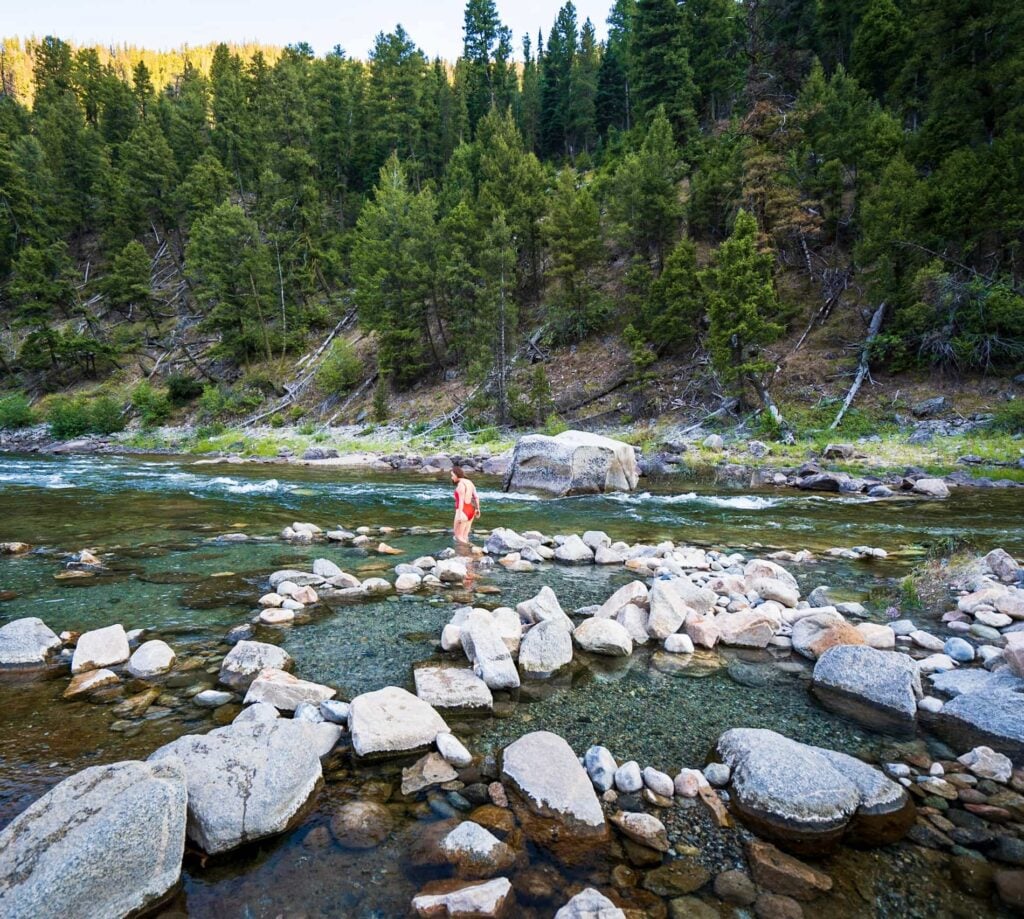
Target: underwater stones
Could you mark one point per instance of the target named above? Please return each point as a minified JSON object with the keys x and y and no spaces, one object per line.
{"x":483,"y":645}
{"x":572,"y":463}
{"x":284,"y":691}
{"x":245,"y":781}
{"x":476,"y":852}
{"x":574,"y":551}
{"x":26,"y":644}
{"x":151,"y":658}
{"x":460,"y":900}
{"x":544,"y":608}
{"x":600,"y":766}
{"x":782,"y":874}
{"x":325,"y":568}
{"x":985,"y":763}
{"x":876,"y":688}
{"x":452,"y":687}
{"x":392,"y":720}
{"x":100,"y":648}
{"x":814,"y":634}
{"x":985,"y":717}
{"x":806,"y":798}
{"x":83,"y":683}
{"x":361,"y":824}
{"x":590,"y":904}
{"x":246,"y":659}
{"x":555,"y":800}
{"x":545,"y":649}
{"x":642,"y":828}
{"x":109,"y":838}
{"x":603,"y":636}
{"x":212,"y":698}
{"x":427,"y":771}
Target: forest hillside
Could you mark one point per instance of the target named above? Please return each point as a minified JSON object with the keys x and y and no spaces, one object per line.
{"x":738,"y":208}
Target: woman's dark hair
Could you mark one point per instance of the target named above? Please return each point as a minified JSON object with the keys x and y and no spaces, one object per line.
{"x":458,"y":472}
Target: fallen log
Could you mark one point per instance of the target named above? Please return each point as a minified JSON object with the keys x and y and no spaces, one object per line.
{"x":865,"y":360}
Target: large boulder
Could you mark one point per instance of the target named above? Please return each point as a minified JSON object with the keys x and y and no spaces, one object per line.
{"x":546,"y":648}
{"x":747,"y":628}
{"x":553,"y":795}
{"x":992,"y":717}
{"x":543,"y":608}
{"x":246,"y":659}
{"x":286,"y":692}
{"x":603,"y":636}
{"x":574,"y":551}
{"x":877,"y":688}
{"x":108,"y":841}
{"x":26,"y":644}
{"x":246,"y":781}
{"x":807,"y":798}
{"x":100,"y":648}
{"x":815,"y":633}
{"x":392,"y":720}
{"x":483,"y":645}
{"x":668,"y":612}
{"x":150,"y":659}
{"x":572,"y":463}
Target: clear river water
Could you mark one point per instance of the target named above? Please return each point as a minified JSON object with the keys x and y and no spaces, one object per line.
{"x":154,"y":521}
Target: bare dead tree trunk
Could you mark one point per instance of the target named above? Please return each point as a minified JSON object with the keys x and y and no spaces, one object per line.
{"x":862,"y":370}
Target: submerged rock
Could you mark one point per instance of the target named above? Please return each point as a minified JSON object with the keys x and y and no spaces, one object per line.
{"x":590,"y":904}
{"x":806,"y":798}
{"x":392,"y":720}
{"x":476,"y":852}
{"x":361,"y":824}
{"x":572,"y":463}
{"x":245,"y":781}
{"x":877,"y":688}
{"x":151,"y":659}
{"x":109,"y":839}
{"x":461,"y":900}
{"x":26,"y":644}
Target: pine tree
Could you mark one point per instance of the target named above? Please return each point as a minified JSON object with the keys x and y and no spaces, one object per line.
{"x":614,"y":91}
{"x":662,"y":75}
{"x":672,"y":314}
{"x":127,"y":284}
{"x":743,"y":309}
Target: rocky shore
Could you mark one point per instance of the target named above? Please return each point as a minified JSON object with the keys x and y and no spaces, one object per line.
{"x":493,"y":826}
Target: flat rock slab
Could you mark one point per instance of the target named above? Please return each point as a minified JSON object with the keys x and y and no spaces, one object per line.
{"x":100,"y":648}
{"x":26,"y":644}
{"x":286,"y":692}
{"x":459,"y":900}
{"x":452,"y":687}
{"x":975,"y":679}
{"x":392,"y":720}
{"x":246,"y":781}
{"x":246,"y":659}
{"x":109,"y":839}
{"x":807,"y":798}
{"x":876,"y":688}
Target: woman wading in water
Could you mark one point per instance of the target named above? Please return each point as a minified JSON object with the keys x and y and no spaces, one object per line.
{"x":467,"y":505}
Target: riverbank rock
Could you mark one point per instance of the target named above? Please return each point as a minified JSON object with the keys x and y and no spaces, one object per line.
{"x":572,"y":463}
{"x":483,"y":645}
{"x":603,"y":636}
{"x":109,"y":839}
{"x":667,"y":613}
{"x":84,"y":683}
{"x":644,"y":829}
{"x":458,"y":900}
{"x":806,"y":798}
{"x":574,"y":551}
{"x":931,"y":488}
{"x":452,"y":687}
{"x":286,"y":692}
{"x":991,"y":717}
{"x":544,"y":608}
{"x":545,"y":649}
{"x":100,"y":648}
{"x":246,"y":659}
{"x":392,"y":720}
{"x":877,"y":688}
{"x":26,"y":644}
{"x":555,"y":801}
{"x":151,"y":659}
{"x":815,"y":633}
{"x":245,"y":781}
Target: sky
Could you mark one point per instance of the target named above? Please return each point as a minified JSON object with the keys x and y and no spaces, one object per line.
{"x":435,"y":25}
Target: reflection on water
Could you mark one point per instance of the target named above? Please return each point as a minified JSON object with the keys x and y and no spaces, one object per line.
{"x":155,"y":523}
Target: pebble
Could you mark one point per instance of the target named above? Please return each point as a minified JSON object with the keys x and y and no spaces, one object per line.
{"x":960,"y":650}
{"x":717,"y":774}
{"x":628,"y":777}
{"x":212,"y":698}
{"x":930,"y":704}
{"x":658,"y":782}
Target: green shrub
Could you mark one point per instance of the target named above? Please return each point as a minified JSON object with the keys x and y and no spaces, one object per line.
{"x":105,"y":416}
{"x":182,"y":389}
{"x":16,"y":412}
{"x":307,"y":429}
{"x":487,"y":435}
{"x":68,"y":417}
{"x":340,"y":369}
{"x":1009,"y":417}
{"x":153,"y":407}
{"x":277,"y":420}
{"x":380,"y":399}
{"x":554,"y":425}
{"x":219,"y":402}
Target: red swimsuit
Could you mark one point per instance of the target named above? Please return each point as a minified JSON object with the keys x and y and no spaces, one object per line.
{"x":468,"y":509}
